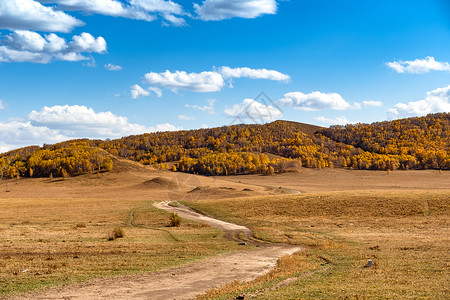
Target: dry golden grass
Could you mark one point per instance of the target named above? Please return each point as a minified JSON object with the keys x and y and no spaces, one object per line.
{"x":406,"y":233}
{"x":287,"y":266}
{"x":56,"y":232}
{"x":56,"y":241}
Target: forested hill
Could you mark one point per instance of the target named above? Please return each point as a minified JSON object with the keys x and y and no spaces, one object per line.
{"x":413,"y":143}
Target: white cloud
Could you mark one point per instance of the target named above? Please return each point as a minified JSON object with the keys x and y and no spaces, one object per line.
{"x":2,"y":104}
{"x":136,"y":9}
{"x":215,"y":10}
{"x":228,"y":72}
{"x":156,"y":90}
{"x":20,"y":134}
{"x":58,"y":123}
{"x":335,"y":121}
{"x":159,"y":6}
{"x":103,"y":7}
{"x":207,"y":108}
{"x":316,"y":101}
{"x":186,"y":118}
{"x":176,"y":21}
{"x":197,"y":82}
{"x":165,"y":127}
{"x":209,"y":81}
{"x":81,"y":121}
{"x":85,"y":42}
{"x":30,"y":14}
{"x":436,"y":101}
{"x":253,"y":110}
{"x":419,"y":66}
{"x":112,"y":67}
{"x":137,"y":91}
{"x":373,"y":103}
{"x":28,"y":46}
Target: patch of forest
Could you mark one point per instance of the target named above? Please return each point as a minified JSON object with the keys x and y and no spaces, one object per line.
{"x":412,"y":143}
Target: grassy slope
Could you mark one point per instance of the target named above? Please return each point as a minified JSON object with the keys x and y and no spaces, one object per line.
{"x":56,"y":241}
{"x":405,"y":233}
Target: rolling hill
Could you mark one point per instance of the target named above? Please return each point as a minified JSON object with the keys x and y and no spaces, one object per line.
{"x":412,"y":143}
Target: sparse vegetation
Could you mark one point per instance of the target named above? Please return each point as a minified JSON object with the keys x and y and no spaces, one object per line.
{"x":174,"y":220}
{"x":116,"y":233}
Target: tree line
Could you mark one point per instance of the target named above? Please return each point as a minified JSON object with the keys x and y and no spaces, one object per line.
{"x":412,"y":143}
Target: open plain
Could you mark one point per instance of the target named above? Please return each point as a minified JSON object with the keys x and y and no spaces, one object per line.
{"x":56,"y":235}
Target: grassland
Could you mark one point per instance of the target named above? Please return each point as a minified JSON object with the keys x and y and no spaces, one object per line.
{"x":405,"y":233}
{"x":54,"y":233}
{"x":57,"y":241}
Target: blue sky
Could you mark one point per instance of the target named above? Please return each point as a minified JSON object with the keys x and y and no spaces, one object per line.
{"x":176,"y":66}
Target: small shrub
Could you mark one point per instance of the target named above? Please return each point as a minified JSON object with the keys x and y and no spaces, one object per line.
{"x":175,"y":220}
{"x":117,"y":233}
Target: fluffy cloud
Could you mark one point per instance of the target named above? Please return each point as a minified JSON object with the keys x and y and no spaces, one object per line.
{"x":209,"y":81}
{"x":159,"y":6}
{"x":254,"y":111}
{"x":112,"y":67}
{"x":167,"y":9}
{"x":136,"y":9}
{"x":316,"y":101}
{"x":137,"y":91}
{"x":228,"y":72}
{"x":165,"y":127}
{"x":186,"y":118}
{"x":58,"y":123}
{"x":83,"y":121}
{"x":103,"y":7}
{"x":20,"y":134}
{"x":373,"y":103}
{"x":156,"y":90}
{"x":419,"y":66}
{"x":197,"y":82}
{"x":85,"y":42}
{"x":28,"y":46}
{"x":436,"y":101}
{"x":206,"y":108}
{"x":30,"y":14}
{"x":2,"y":104}
{"x":214,"y":10}
{"x":334,"y":121}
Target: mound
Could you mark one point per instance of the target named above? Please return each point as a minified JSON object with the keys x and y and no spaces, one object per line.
{"x":159,"y":182}
{"x":218,"y":192}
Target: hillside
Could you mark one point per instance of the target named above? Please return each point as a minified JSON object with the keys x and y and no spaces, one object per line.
{"x":413,"y":143}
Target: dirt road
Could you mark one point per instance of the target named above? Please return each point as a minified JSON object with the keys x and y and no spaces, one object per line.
{"x":183,"y":282}
{"x":231,"y":230}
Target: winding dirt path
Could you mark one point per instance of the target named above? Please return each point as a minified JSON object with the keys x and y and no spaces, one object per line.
{"x":183,"y":282}
{"x":231,"y":230}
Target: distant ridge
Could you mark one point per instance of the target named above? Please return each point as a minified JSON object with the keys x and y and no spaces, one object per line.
{"x":411,"y":143}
